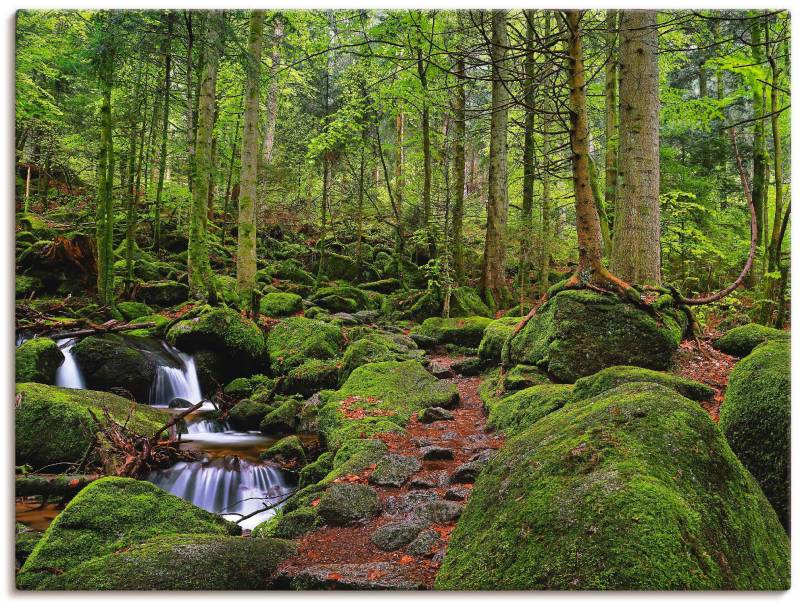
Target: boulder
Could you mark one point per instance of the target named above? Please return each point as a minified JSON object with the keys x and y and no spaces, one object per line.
{"x":516,"y":412}
{"x":614,"y":376}
{"x":495,"y":336}
{"x":311,"y":377}
{"x":756,"y":420}
{"x":346,"y":504}
{"x":465,"y":332}
{"x":435,"y":413}
{"x":638,"y":485}
{"x":740,"y":341}
{"x":393,"y":470}
{"x":577,"y":333}
{"x":316,"y":471}
{"x":376,"y":347}
{"x":395,"y":535}
{"x":163,"y":293}
{"x":282,"y":420}
{"x":465,"y":301}
{"x":289,"y":525}
{"x":280,"y":304}
{"x":287,"y":452}
{"x":339,"y":267}
{"x":37,"y":360}
{"x":386,"y":285}
{"x":131,"y":310}
{"x":521,"y":376}
{"x":296,"y":340}
{"x":425,"y":544}
{"x":377,"y":575}
{"x":108,"y":362}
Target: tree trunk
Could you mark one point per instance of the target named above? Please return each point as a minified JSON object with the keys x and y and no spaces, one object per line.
{"x":459,"y":169}
{"x":422,"y":71}
{"x":190,"y":125}
{"x":399,"y":185}
{"x":246,"y":250}
{"x":201,"y":279}
{"x":272,"y":95}
{"x":636,"y":253}
{"x":493,"y":284}
{"x":527,"y":160}
{"x":170,"y":18}
{"x":759,"y":139}
{"x":612,"y":106}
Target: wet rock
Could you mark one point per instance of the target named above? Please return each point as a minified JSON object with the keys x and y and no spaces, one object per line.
{"x":439,"y":511}
{"x":468,"y":472}
{"x":163,"y":293}
{"x":393,"y":470}
{"x":435,"y":413}
{"x":179,"y":403}
{"x":37,"y":360}
{"x":287,"y":452}
{"x":109,"y":363}
{"x":457,"y":494}
{"x":392,"y":536}
{"x":350,"y":576}
{"x":425,"y":544}
{"x":437,"y":453}
{"x":345,"y":504}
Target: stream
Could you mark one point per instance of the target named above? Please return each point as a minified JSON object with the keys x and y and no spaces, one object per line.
{"x":229,"y":479}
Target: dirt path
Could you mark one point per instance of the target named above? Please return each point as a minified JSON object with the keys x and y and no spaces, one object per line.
{"x":345,"y":557}
{"x":708,"y":366}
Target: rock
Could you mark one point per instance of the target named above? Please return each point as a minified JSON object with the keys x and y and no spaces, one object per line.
{"x":467,"y":473}
{"x":422,"y":482}
{"x":339,"y":267}
{"x":24,"y":285}
{"x":404,"y":504}
{"x":26,"y":540}
{"x":314,"y":472}
{"x":439,"y":511}
{"x":396,"y":535}
{"x":181,"y":562}
{"x":424,"y":341}
{"x":311,"y":377}
{"x":107,"y":517}
{"x":288,"y":270}
{"x":611,"y":377}
{"x":287,"y":452}
{"x":578,"y":333}
{"x":465,"y":332}
{"x":346,"y":504}
{"x":282,"y":419}
{"x":641,"y":481}
{"x":53,"y":424}
{"x":740,"y":341}
{"x":393,"y":470}
{"x":38,"y":360}
{"x":163,"y":293}
{"x":280,"y":304}
{"x":756,"y":420}
{"x":425,"y":544}
{"x":469,"y":367}
{"x":248,"y":414}
{"x":386,"y":285}
{"x":437,"y":453}
{"x":132,"y":310}
{"x":465,"y":301}
{"x":108,"y":362}
{"x":344,"y":319}
{"x":379,"y":575}
{"x":375,"y":346}
{"x":440,"y":371}
{"x":367,"y":316}
{"x":522,"y":376}
{"x":435,"y":413}
{"x":495,"y":336}
{"x":179,"y":403}
{"x":457,"y":494}
{"x":518,"y":411}
{"x":295,"y":341}
{"x":289,"y":525}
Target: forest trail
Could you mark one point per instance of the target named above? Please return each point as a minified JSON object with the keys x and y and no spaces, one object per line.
{"x":346,"y":558}
{"x":706,"y":365}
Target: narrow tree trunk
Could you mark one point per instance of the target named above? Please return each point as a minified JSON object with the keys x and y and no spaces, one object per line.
{"x":636,"y":253}
{"x":527,"y":160}
{"x":190,"y":125}
{"x":170,"y":18}
{"x":459,"y":170}
{"x":422,"y":71}
{"x":272,"y":95}
{"x":612,"y":106}
{"x":399,"y":184}
{"x":493,"y":284}
{"x":226,"y":206}
{"x":246,"y":250}
{"x":759,"y":139}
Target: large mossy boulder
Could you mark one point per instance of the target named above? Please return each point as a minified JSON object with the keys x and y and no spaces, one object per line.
{"x":740,"y":341}
{"x":466,"y":332}
{"x":280,"y":304}
{"x":162,"y":293}
{"x":515,"y":413}
{"x":495,"y":336}
{"x":132,"y":310}
{"x":38,"y":360}
{"x":577,"y":333}
{"x":108,"y":362}
{"x":339,"y":267}
{"x":236,"y":340}
{"x":465,"y":301}
{"x":376,"y":346}
{"x":296,"y":340}
{"x":614,"y":376}
{"x":635,"y":489}
{"x":756,"y":420}
{"x":109,"y":516}
{"x":311,"y":377}
{"x":181,"y":562}
{"x":53,"y":424}
{"x":346,"y":504}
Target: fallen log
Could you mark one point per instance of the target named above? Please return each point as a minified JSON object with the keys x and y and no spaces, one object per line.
{"x":62,"y":486}
{"x":104,"y":328}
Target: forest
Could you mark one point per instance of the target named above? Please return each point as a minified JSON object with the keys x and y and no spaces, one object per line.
{"x":402,"y":299}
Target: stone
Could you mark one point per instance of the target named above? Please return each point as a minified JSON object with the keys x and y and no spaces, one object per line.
{"x":437,"y":453}
{"x":435,"y":413}
{"x":395,"y":535}
{"x":393,"y":470}
{"x":346,"y":504}
{"x":38,"y":360}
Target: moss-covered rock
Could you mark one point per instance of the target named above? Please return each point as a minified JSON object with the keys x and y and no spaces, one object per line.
{"x":109,"y":362}
{"x":237,"y":340}
{"x":465,"y":301}
{"x":376,"y":346}
{"x":131,"y":309}
{"x":394,"y":469}
{"x":386,"y":285}
{"x":110,"y":515}
{"x":248,"y":414}
{"x":163,"y":293}
{"x":227,"y":290}
{"x":515,"y":413}
{"x":638,"y":485}
{"x":296,"y":340}
{"x":378,"y":398}
{"x":25,"y":285}
{"x":466,"y":332}
{"x":740,"y":341}
{"x":756,"y":420}
{"x":283,"y":419}
{"x":287,"y":452}
{"x":37,"y":360}
{"x":289,"y":525}
{"x":280,"y":304}
{"x":288,"y":270}
{"x":53,"y":424}
{"x":339,"y":267}
{"x":522,"y":376}
{"x":310,"y":377}
{"x":609,"y":378}
{"x":495,"y":336}
{"x":26,"y":541}
{"x":314,"y":472}
{"x":577,"y":333}
{"x":157,"y":330}
{"x":346,"y":504}
{"x":181,"y":562}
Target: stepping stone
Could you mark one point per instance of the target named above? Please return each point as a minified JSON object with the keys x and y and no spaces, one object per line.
{"x":346,"y":504}
{"x":393,"y":470}
{"x":437,"y":453}
{"x":435,"y":413}
{"x":425,"y":544}
{"x":457,"y":494}
{"x":422,"y":483}
{"x":393,"y":536}
{"x":439,"y":511}
{"x":468,"y":472}
{"x":400,"y":505}
{"x":440,"y":371}
{"x":469,"y":367}
{"x":379,"y":575}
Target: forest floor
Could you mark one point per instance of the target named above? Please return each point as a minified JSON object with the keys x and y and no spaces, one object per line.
{"x":345,"y":557}
{"x":696,"y":359}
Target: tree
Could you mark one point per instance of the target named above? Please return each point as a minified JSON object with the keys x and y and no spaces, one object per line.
{"x":246,"y":250}
{"x":612,"y":106}
{"x":169,"y":17}
{"x":636,"y":255}
{"x":459,"y":169}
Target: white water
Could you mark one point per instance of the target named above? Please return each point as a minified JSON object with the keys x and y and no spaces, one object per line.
{"x":176,"y":381}
{"x":69,"y":373}
{"x":225,"y":486}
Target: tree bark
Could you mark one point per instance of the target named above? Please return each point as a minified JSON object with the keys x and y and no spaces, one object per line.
{"x":527,"y":160}
{"x":612,"y":106}
{"x":636,"y":255}
{"x":170,"y":20}
{"x":759,"y":140}
{"x":272,"y":95}
{"x":459,"y":169}
{"x":422,"y":72}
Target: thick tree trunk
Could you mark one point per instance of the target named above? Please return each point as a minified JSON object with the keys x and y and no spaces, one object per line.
{"x":636,"y":255}
{"x":201,"y":279}
{"x":493,"y":284}
{"x":459,"y":169}
{"x":759,"y":140}
{"x":170,"y":19}
{"x":246,"y":250}
{"x":190,"y":125}
{"x":612,"y":106}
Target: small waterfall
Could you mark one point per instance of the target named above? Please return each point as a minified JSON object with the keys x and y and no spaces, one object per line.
{"x":225,"y":486}
{"x":206,"y":426}
{"x":69,"y":373}
{"x":178,"y":380}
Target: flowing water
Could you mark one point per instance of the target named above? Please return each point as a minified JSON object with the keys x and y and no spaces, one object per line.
{"x":69,"y":374}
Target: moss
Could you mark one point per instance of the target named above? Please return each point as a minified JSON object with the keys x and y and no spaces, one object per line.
{"x":248,"y":414}
{"x":346,"y":504}
{"x":756,"y":420}
{"x":53,"y":424}
{"x":577,"y":333}
{"x":495,"y":336}
{"x":238,"y":340}
{"x":338,"y":266}
{"x":26,"y":541}
{"x":381,"y":397}
{"x":311,"y":377}
{"x":289,"y":270}
{"x":638,"y":485}
{"x":181,"y":562}
{"x":386,"y":285}
{"x":109,"y":515}
{"x":289,"y":525}
{"x":109,"y":362}
{"x":296,"y":340}
{"x":609,"y":378}
{"x":156,"y":331}
{"x":282,"y":419}
{"x":375,"y":347}
{"x":238,"y":388}
{"x":515,"y":413}
{"x":740,"y":341}
{"x":522,"y":376}
{"x":25,"y":285}
{"x":280,"y":304}
{"x":316,"y":471}
{"x":227,"y":290}
{"x":465,"y":301}
{"x":287,"y":451}
{"x":461,"y":331}
{"x":163,"y":293}
{"x":37,"y":360}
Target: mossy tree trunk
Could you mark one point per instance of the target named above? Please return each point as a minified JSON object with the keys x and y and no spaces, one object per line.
{"x":544,"y":258}
{"x":201,"y":279}
{"x":459,"y":169}
{"x":612,"y":106}
{"x":246,"y":250}
{"x":272,"y":95}
{"x":166,"y":48}
{"x":759,"y":140}
{"x":528,"y":159}
{"x":422,"y":72}
{"x":636,"y":255}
